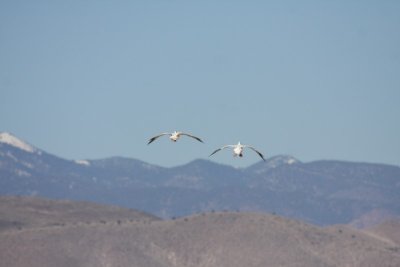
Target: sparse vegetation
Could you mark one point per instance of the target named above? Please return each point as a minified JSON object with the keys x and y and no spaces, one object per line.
{"x":394,"y":249}
{"x":246,"y":239}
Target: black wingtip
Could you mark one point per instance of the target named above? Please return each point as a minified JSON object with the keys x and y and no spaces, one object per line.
{"x":261,"y":156}
{"x":214,"y":152}
{"x":198,"y":139}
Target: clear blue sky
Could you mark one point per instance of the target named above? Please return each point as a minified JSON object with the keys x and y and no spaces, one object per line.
{"x":94,"y":79}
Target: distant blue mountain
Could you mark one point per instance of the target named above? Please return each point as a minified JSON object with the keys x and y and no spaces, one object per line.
{"x":320,"y":192}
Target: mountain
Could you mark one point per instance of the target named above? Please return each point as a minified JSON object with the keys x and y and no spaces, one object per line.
{"x":321,"y":192}
{"x":372,"y":218}
{"x":388,"y":230}
{"x":215,"y":239}
{"x":9,"y":139}
{"x":34,"y":212}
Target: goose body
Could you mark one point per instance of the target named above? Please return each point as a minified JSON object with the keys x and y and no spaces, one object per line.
{"x":174,"y":136}
{"x":238,"y":150}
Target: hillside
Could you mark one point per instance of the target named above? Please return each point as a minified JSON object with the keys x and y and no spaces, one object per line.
{"x":388,"y":230}
{"x":233,"y":239}
{"x":23,"y":213}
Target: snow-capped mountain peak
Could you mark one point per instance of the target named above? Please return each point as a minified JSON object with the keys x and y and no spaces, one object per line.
{"x":274,"y":162}
{"x":282,"y":160}
{"x":82,"y":162}
{"x":11,"y":140}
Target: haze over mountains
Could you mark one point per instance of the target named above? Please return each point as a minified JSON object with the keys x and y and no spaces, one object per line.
{"x":320,"y":192}
{"x":39,"y":232}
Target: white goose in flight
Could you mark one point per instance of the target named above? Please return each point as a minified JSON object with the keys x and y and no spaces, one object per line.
{"x":238,"y":150}
{"x":174,"y":136}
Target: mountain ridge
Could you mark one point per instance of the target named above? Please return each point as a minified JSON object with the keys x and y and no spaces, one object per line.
{"x":321,"y":192}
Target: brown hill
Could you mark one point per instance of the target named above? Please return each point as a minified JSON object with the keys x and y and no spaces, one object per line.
{"x":208,"y":240}
{"x":27,"y":212}
{"x":388,"y":230}
{"x":374,"y":217}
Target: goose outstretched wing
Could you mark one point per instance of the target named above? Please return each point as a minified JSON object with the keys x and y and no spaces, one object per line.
{"x":155,"y":137}
{"x":255,"y":150}
{"x":220,"y":149}
{"x":195,"y":137}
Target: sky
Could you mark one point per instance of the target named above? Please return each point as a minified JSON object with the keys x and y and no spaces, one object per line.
{"x":94,"y":79}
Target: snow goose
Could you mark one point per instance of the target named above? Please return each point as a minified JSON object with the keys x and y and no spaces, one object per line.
{"x":174,"y":136}
{"x":238,"y":150}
